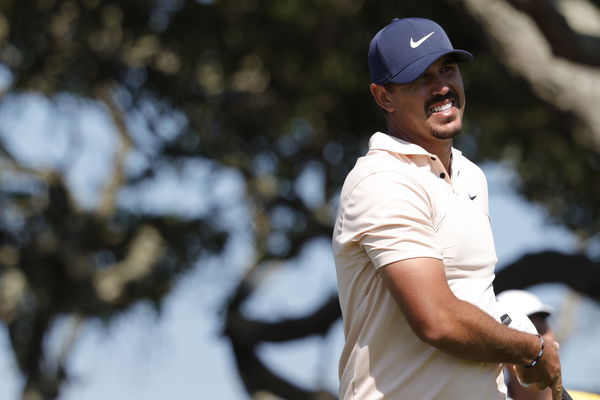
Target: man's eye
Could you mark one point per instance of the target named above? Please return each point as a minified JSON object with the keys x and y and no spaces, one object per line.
{"x":448,"y":68}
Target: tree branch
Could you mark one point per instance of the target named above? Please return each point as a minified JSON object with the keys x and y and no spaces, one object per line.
{"x":577,"y":271}
{"x":108,"y":198}
{"x":520,"y":44}
{"x":146,"y":248}
{"x":564,"y":41}
{"x":250,"y":332}
{"x":258,"y":378}
{"x":246,"y":335}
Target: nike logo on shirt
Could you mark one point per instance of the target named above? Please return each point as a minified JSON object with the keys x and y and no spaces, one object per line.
{"x":419,"y":42}
{"x":472,"y":197}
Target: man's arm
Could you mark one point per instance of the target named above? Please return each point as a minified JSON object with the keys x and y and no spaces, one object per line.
{"x":460,"y":328}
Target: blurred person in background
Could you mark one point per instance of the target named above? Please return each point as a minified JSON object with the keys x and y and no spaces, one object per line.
{"x":539,"y":314}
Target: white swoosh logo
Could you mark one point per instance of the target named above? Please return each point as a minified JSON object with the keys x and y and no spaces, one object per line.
{"x":419,"y":42}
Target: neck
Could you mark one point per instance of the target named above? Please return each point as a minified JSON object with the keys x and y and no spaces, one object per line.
{"x":442,"y":148}
{"x":445,"y":157}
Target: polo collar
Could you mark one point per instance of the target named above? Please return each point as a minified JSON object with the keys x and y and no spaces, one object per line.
{"x":383,"y":141}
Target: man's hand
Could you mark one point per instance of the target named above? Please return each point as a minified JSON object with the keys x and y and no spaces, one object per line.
{"x":546,"y":373}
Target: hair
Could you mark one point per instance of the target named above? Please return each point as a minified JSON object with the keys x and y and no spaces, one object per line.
{"x":389,"y":86}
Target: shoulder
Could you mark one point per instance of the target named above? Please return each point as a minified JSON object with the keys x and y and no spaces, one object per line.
{"x":384,"y":189}
{"x":380,"y":171}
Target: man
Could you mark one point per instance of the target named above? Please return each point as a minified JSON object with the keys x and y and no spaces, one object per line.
{"x":529,"y":304}
{"x":413,"y":246}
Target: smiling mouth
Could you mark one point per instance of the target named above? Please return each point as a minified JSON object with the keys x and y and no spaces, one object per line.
{"x":438,"y":104}
{"x":442,"y":107}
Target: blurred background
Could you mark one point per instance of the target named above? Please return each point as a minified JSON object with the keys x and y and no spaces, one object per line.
{"x":169,"y":175}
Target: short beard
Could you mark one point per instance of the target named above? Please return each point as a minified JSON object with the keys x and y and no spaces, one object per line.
{"x":442,"y":134}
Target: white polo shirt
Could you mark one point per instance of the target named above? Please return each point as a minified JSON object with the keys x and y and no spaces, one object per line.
{"x":397,"y":203}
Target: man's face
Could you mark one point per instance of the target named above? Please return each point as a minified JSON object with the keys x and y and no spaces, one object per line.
{"x":540,"y":321}
{"x":431,"y":107}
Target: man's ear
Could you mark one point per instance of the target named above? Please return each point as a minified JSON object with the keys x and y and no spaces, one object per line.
{"x":382,"y":97}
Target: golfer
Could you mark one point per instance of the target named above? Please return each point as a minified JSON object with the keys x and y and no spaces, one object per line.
{"x":413,"y":245}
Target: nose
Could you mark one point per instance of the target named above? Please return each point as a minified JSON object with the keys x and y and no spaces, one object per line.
{"x":439,"y":85}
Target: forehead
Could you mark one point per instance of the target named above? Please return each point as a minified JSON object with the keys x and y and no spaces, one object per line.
{"x":445,"y":60}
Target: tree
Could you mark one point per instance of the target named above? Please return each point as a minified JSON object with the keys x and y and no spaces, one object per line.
{"x":276,"y":91}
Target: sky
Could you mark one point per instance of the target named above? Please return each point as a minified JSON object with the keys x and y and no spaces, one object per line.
{"x":180,"y":353}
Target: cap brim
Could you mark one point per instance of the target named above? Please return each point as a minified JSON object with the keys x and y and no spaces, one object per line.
{"x":414,"y":70}
{"x":544,"y":310}
{"x":531,"y":309}
{"x":543,"y":314}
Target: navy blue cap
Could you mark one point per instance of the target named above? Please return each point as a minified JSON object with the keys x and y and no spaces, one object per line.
{"x":404,"y":49}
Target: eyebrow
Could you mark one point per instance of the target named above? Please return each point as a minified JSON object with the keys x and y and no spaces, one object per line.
{"x":450,"y":59}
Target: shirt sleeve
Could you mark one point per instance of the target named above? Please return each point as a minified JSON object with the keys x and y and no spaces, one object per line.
{"x":390,"y":216}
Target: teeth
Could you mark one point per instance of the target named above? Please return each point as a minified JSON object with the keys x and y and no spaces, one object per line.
{"x":442,"y":107}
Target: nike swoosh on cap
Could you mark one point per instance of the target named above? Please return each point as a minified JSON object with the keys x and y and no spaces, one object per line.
{"x":419,"y":42}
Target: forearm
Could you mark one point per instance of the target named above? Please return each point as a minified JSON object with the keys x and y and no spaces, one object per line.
{"x":469,"y":333}
{"x":460,"y":328}
{"x":465,"y":331}
{"x":452,"y":325}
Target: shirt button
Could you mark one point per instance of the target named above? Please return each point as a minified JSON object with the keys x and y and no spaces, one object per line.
{"x":442,"y":175}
